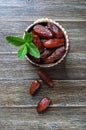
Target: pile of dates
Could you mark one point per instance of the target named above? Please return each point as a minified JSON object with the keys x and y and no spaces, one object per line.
{"x":50,"y":41}
{"x":35,"y":86}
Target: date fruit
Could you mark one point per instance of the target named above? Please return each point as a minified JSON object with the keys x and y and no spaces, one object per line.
{"x":57,"y":54}
{"x":55,"y":30}
{"x":45,"y":77}
{"x":53,"y":43}
{"x":37,"y":41}
{"x":37,"y":60}
{"x":33,"y":33}
{"x":43,"y":104}
{"x":42,"y":31}
{"x":50,"y":40}
{"x":46,"y":53}
{"x":34,"y":87}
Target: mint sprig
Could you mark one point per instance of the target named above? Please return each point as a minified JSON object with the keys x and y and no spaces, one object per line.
{"x":32,"y":49}
{"x":17,"y":41}
{"x":25,"y":45}
{"x":22,"y":51}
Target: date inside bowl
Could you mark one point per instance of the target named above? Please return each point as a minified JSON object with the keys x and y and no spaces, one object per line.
{"x":51,"y":40}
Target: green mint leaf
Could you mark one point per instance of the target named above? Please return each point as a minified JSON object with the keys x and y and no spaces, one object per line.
{"x":22,"y":51}
{"x":28,"y":37}
{"x":17,"y":41}
{"x":33,"y":50}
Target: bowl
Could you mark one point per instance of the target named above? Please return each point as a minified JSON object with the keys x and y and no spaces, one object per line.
{"x":43,"y":21}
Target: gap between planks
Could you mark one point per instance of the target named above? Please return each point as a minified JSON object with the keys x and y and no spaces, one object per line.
{"x":34,"y":19}
{"x":51,"y":106}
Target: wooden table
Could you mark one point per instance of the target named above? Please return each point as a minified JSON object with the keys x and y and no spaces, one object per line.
{"x":17,"y":106}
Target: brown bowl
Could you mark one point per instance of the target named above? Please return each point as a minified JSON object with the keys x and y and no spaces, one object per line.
{"x":43,"y":20}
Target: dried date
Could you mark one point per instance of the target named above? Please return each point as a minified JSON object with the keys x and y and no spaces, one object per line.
{"x":37,"y":60}
{"x":46,"y":53}
{"x":33,"y":34}
{"x":55,"y":30}
{"x":37,"y":41}
{"x":43,"y":104}
{"x":34,"y":87}
{"x":53,"y":43}
{"x":56,"y":55}
{"x":45,"y":77}
{"x":42,"y":31}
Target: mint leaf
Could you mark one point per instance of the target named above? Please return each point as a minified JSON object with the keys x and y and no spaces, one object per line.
{"x":22,"y":51}
{"x":26,"y":45}
{"x":28,"y":37}
{"x":33,"y":50}
{"x":17,"y":41}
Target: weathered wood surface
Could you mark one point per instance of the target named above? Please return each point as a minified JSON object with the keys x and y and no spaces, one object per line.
{"x":28,"y":119}
{"x":64,"y":93}
{"x":75,"y":30}
{"x":68,"y":95}
{"x":30,"y":10}
{"x":73,"y":67}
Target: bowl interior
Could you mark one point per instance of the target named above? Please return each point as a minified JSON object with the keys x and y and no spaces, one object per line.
{"x":44,"y":22}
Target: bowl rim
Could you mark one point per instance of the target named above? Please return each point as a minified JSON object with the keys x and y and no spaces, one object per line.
{"x":66,"y":38}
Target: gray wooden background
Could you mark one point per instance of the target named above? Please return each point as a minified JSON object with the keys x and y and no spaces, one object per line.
{"x":17,"y":106}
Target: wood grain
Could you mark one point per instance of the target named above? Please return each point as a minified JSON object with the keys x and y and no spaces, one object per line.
{"x":76,"y":32}
{"x":13,"y":2}
{"x":58,"y":10}
{"x":66,"y":93}
{"x":73,"y":67}
{"x":53,"y":119}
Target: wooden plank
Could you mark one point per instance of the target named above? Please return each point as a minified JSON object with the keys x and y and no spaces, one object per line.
{"x":52,"y":119}
{"x":59,"y":10}
{"x":64,"y":93}
{"x":73,"y":67}
{"x":68,"y":95}
{"x":20,"y":2}
{"x":13,"y":2}
{"x":11,"y":28}
{"x":75,"y":30}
